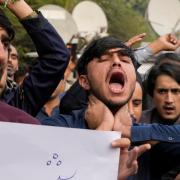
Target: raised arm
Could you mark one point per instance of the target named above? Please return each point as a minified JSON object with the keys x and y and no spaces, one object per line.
{"x":49,"y":70}
{"x":167,"y":42}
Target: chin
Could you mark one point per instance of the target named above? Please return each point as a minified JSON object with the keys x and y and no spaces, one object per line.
{"x":171,"y":118}
{"x":116,"y":104}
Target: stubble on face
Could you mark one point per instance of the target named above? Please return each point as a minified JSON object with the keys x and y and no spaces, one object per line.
{"x":166,"y":98}
{"x":118,"y":89}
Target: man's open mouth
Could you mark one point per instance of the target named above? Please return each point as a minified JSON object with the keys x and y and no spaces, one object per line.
{"x":116,"y":82}
{"x":169,"y":108}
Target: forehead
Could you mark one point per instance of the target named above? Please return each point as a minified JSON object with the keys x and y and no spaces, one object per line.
{"x":137,"y":91}
{"x":13,"y":49}
{"x":114,"y":50}
{"x":117,"y":50}
{"x":166,"y":81}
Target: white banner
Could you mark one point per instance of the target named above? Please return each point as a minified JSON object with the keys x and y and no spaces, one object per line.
{"x":35,"y":152}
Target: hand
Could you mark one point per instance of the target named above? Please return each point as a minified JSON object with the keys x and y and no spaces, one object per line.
{"x":170,"y":42}
{"x":18,"y":7}
{"x":123,"y":122}
{"x":135,"y":39}
{"x":6,"y":2}
{"x":98,"y":116}
{"x":128,"y":158}
{"x":2,"y":1}
{"x":167,"y":42}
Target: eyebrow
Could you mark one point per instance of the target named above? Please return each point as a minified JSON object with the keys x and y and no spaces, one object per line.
{"x":169,"y":89}
{"x":122,"y":51}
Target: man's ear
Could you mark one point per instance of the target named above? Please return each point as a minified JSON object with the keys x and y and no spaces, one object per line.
{"x":83,"y":81}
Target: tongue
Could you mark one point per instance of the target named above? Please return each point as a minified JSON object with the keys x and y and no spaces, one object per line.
{"x":115,"y":87}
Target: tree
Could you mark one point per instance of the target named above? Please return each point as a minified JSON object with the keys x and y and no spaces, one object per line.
{"x":123,"y":21}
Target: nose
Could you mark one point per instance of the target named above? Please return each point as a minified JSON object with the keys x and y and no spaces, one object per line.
{"x":10,"y":60}
{"x":169,"y":97}
{"x":116,"y":60}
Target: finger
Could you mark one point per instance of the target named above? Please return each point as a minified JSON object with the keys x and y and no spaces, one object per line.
{"x":143,"y":148}
{"x":129,"y":171}
{"x":139,"y":36}
{"x":135,"y":39}
{"x":173,"y":39}
{"x":121,"y":143}
{"x":136,"y":152}
{"x":133,"y":155}
{"x":92,"y":99}
{"x":133,"y":168}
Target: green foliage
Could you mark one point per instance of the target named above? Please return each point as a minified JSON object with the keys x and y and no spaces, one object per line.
{"x":138,"y":5}
{"x":125,"y":19}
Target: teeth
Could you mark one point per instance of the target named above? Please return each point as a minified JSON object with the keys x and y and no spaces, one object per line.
{"x":115,"y":87}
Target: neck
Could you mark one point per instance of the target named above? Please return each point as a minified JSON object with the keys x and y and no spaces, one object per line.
{"x":114,"y":109}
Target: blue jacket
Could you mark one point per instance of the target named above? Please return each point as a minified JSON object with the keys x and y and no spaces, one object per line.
{"x":46,"y":74}
{"x":139,"y":132}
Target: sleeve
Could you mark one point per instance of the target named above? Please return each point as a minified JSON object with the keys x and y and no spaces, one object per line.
{"x":143,"y":54}
{"x":49,"y":70}
{"x":59,"y":120}
{"x":156,"y":132}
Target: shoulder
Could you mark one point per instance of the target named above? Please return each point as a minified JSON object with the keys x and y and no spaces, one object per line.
{"x":12,"y":114}
{"x":147,"y":115}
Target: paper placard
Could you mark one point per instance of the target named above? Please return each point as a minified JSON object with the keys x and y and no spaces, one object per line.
{"x":36,"y":152}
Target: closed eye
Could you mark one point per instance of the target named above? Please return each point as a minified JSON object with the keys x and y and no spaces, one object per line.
{"x":137,"y":102}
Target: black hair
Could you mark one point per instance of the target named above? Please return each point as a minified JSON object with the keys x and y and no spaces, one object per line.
{"x":6,"y":24}
{"x":98,"y":47}
{"x":170,"y":69}
{"x":170,"y":57}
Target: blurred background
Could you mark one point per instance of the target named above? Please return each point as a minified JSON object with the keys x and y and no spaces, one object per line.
{"x":123,"y":19}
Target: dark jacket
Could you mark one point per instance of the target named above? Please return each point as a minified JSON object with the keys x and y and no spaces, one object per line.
{"x":152,"y":116}
{"x":46,"y":74}
{"x":163,"y":157}
{"x":139,"y":132}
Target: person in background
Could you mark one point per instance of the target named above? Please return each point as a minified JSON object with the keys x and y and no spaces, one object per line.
{"x":21,"y":73}
{"x":163,"y":85}
{"x":13,"y":62}
{"x":135,"y":103}
{"x":8,"y":113}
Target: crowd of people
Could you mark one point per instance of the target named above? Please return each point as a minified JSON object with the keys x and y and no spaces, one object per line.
{"x":105,"y":91}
